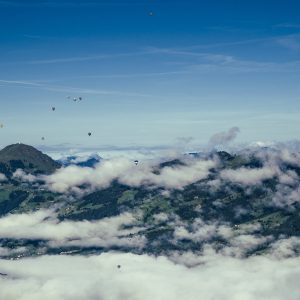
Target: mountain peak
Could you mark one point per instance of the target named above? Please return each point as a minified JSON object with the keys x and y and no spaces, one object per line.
{"x":17,"y":147}
{"x":27,"y":158}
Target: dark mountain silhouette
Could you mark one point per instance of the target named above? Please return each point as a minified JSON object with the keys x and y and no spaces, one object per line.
{"x":90,"y":161}
{"x":27,"y":158}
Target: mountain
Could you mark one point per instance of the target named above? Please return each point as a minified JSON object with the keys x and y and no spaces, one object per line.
{"x":88,"y":161}
{"x":27,"y":158}
{"x":213,"y":200}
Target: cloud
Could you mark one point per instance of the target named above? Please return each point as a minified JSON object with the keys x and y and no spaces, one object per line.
{"x":69,"y":89}
{"x":209,"y":62}
{"x":160,"y":218}
{"x":182,"y":143}
{"x":199,"y":231}
{"x":236,"y":241}
{"x":240,"y":245}
{"x":86,"y":58}
{"x":287,"y":25}
{"x":223,"y":138}
{"x":285,"y":247}
{"x":175,"y":177}
{"x":286,"y":196}
{"x":20,"y":82}
{"x":291,"y":42}
{"x":143,"y":277}
{"x":44,"y":225}
{"x":21,"y":175}
{"x":249,"y":176}
{"x":277,"y":163}
{"x":286,"y":156}
{"x":128,"y":233}
{"x":126,"y":172}
{"x":2,"y":177}
{"x":5,"y":251}
{"x":217,"y":267}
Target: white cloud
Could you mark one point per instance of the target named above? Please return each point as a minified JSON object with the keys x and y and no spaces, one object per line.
{"x":249,"y":176}
{"x":2,"y":177}
{"x":239,"y":240}
{"x":160,"y":218}
{"x":5,"y":251}
{"x":289,"y":157}
{"x":20,"y":174}
{"x":285,"y":247}
{"x":142,"y":277}
{"x":44,"y":225}
{"x":175,"y":177}
{"x":286,"y":195}
{"x":223,"y":138}
{"x":126,"y":172}
{"x":200,"y":231}
{"x":241,"y":244}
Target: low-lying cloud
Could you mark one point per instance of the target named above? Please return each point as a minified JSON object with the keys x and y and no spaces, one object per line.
{"x":249,"y":176}
{"x":44,"y":225}
{"x":21,"y":175}
{"x":2,"y":177}
{"x":143,"y":277}
{"x":126,"y":172}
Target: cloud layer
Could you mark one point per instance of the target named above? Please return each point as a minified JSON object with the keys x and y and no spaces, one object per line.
{"x":44,"y":225}
{"x":126,"y":172}
{"x":248,"y":168}
{"x":142,"y":277}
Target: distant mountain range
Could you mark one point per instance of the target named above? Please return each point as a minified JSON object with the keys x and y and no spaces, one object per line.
{"x":86,"y":161}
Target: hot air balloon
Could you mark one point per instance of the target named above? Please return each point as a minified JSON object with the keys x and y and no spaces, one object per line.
{"x":89,"y":133}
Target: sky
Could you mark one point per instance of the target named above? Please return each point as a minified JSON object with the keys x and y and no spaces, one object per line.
{"x":149,"y":72}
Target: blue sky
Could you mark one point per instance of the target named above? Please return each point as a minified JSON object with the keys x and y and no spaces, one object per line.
{"x":192,"y":69}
